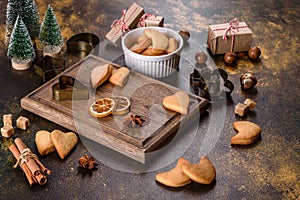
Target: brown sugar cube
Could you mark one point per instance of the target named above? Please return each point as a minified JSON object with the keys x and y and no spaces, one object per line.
{"x":22,"y":123}
{"x":7,"y":120}
{"x":240,"y":109}
{"x":7,"y":131}
{"x":250,"y":104}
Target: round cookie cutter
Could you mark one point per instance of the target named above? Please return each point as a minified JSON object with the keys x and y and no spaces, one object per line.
{"x":82,"y":44}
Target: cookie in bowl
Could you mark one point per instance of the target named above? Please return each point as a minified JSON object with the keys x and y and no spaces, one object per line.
{"x":153,"y":51}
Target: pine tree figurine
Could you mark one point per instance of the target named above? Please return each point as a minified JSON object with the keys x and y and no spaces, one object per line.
{"x":50,"y":34}
{"x":20,"y":49}
{"x":31,"y":18}
{"x":28,"y":11}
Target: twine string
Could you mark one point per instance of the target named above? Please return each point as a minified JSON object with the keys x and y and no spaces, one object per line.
{"x":25,"y":155}
{"x":233,"y":27}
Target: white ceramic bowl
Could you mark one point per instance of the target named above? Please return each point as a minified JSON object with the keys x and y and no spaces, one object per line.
{"x":153,"y":66}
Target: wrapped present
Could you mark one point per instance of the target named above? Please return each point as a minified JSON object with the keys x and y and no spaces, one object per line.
{"x":150,"y":20}
{"x":128,"y":21}
{"x":234,"y":36}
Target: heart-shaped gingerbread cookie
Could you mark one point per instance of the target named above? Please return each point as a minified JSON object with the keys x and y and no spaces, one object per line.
{"x":178,"y":102}
{"x":248,"y":132}
{"x":100,"y":74}
{"x":203,"y":172}
{"x":63,"y":142}
{"x":43,"y":142}
{"x":175,"y":177}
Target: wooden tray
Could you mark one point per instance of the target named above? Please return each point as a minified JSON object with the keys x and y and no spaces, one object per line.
{"x":145,"y":95}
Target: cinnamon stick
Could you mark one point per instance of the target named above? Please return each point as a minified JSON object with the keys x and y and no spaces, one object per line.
{"x":31,"y":179}
{"x":42,"y":167}
{"x":32,"y":165}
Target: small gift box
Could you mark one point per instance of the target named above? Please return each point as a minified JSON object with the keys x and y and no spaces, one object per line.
{"x":128,"y":21}
{"x":230,"y":37}
{"x":150,"y":20}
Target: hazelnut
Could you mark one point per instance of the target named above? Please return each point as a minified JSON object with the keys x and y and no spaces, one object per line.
{"x":184,"y":34}
{"x":200,"y":57}
{"x":229,"y":57}
{"x":248,"y":81}
{"x":254,"y":53}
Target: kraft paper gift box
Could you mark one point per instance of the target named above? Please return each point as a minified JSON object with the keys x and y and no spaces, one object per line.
{"x":128,"y":21}
{"x":233,"y":36}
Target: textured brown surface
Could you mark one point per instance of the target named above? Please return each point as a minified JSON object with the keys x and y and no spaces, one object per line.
{"x":267,"y":169}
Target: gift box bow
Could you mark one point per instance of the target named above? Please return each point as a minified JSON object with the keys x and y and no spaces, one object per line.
{"x":232,"y":27}
{"x":124,"y":28}
{"x":152,"y":17}
{"x":128,"y":21}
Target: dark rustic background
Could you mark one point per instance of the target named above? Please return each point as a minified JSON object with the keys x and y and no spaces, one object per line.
{"x":267,"y":169}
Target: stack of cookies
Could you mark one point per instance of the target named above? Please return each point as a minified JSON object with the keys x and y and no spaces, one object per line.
{"x":185,"y":172}
{"x":154,"y":43}
{"x":63,"y":143}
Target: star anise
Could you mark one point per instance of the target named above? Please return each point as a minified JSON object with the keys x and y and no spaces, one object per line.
{"x":133,"y":121}
{"x":87,"y":162}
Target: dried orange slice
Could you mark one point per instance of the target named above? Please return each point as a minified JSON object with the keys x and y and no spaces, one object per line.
{"x":122,"y":105}
{"x":102,"y":107}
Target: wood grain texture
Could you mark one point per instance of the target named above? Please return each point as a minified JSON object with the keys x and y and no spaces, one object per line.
{"x":145,"y":94}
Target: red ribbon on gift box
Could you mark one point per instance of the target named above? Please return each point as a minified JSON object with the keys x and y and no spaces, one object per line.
{"x":232,"y":27}
{"x":124,"y":27}
{"x":121,"y":21}
{"x":142,"y":21}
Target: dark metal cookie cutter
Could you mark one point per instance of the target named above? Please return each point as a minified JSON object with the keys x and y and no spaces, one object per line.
{"x":48,"y":67}
{"x":207,"y":83}
{"x":68,"y":89}
{"x":82,"y":43}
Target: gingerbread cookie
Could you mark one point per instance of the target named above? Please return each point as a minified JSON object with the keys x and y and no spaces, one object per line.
{"x":248,"y":132}
{"x":63,"y":142}
{"x":204,"y":172}
{"x":120,"y":76}
{"x":175,"y":177}
{"x":178,"y":102}
{"x":172,"y":45}
{"x":141,"y":45}
{"x":43,"y":142}
{"x":160,"y":41}
{"x":100,"y":74}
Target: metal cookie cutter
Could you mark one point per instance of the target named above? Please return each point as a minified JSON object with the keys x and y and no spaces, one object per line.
{"x":67,"y":89}
{"x":211,"y":84}
{"x":82,"y":43}
{"x":48,"y":67}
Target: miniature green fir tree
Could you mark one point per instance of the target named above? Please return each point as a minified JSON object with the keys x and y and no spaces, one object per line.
{"x":50,"y":33}
{"x":20,"y":45}
{"x":31,"y":18}
{"x":27,"y":10}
